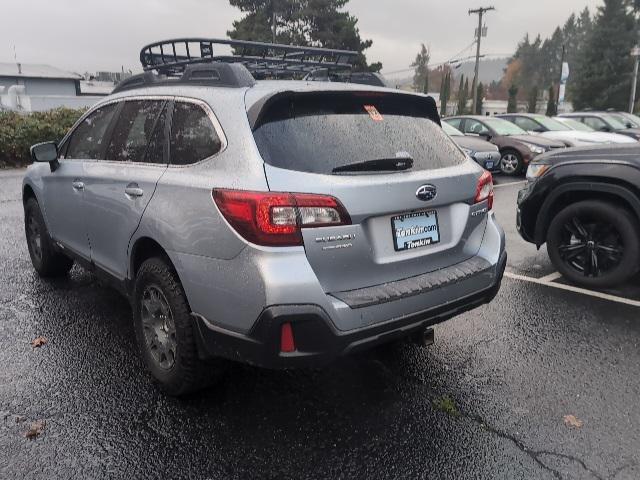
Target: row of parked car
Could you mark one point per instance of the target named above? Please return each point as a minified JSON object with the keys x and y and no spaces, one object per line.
{"x":508,"y":143}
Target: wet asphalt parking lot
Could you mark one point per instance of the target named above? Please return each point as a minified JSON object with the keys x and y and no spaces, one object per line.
{"x":488,"y":400}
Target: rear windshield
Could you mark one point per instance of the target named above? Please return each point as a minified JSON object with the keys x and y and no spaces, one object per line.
{"x":320,"y":132}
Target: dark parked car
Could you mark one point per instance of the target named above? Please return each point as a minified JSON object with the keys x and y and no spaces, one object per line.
{"x":517,"y":147}
{"x":584,"y":204}
{"x":484,"y":153}
{"x":605,"y":122}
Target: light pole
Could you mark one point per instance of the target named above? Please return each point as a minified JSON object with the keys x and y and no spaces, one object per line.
{"x":635,"y":52}
{"x":273,"y":21}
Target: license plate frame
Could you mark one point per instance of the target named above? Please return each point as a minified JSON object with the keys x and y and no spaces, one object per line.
{"x":415,"y":220}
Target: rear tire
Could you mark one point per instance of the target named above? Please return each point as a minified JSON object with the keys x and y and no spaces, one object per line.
{"x":594,"y":244}
{"x":511,"y":162}
{"x":46,"y":259}
{"x":165,"y":331}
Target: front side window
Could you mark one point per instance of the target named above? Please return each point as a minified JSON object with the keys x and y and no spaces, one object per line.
{"x":134,"y":130}
{"x":193,"y":136}
{"x":475,"y":127}
{"x":615,"y":122}
{"x":87,"y":141}
{"x":595,"y":123}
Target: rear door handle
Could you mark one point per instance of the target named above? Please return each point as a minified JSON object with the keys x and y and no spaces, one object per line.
{"x":77,"y":185}
{"x":133,"y":190}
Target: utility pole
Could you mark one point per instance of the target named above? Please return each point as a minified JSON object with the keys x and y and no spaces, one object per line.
{"x":479,"y":34}
{"x":635,"y":53}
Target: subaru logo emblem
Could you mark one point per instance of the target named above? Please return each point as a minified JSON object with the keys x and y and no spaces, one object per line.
{"x":426,"y":193}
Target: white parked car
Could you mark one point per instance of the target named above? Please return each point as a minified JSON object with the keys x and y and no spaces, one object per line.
{"x":560,"y":131}
{"x":605,"y":137}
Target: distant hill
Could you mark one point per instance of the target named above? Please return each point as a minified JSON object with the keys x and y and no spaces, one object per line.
{"x":490,"y":70}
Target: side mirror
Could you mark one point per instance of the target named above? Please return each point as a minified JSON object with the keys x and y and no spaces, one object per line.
{"x":485,"y":135}
{"x":605,"y":128}
{"x":46,"y":152}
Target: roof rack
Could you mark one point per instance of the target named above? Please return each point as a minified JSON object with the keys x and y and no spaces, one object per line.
{"x":192,"y":61}
{"x":210,"y":74}
{"x":171,"y":57}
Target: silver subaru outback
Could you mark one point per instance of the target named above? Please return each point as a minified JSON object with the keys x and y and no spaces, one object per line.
{"x":278,"y":223}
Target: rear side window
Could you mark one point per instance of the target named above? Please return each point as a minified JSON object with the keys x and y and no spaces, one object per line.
{"x":455,"y":122}
{"x":322,"y":132}
{"x":87,"y":140}
{"x":133,"y":131}
{"x":193,"y":136}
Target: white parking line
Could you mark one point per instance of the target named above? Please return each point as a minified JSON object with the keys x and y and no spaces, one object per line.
{"x":570,"y":288}
{"x":551,"y":277}
{"x":500,"y":185}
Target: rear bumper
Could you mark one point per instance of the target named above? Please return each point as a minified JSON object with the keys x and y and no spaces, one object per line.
{"x":317,"y":340}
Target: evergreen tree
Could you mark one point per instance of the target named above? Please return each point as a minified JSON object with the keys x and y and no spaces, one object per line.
{"x":480,"y":99}
{"x":601,"y":78}
{"x":532,"y":105}
{"x":512,"y":104}
{"x":462,"y":101}
{"x":465,"y":94}
{"x":552,"y":108}
{"x":539,"y":62}
{"x":445,"y":94}
{"x":421,"y":70}
{"x":321,"y":23}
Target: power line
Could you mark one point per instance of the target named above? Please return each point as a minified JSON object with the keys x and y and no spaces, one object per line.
{"x":435,"y":65}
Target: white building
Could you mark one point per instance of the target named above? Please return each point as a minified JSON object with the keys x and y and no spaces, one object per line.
{"x":29,"y":88}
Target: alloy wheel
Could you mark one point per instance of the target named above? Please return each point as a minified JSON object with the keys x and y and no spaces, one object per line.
{"x":35,"y":237}
{"x":159,"y":327}
{"x":509,"y":163}
{"x":592,"y":247}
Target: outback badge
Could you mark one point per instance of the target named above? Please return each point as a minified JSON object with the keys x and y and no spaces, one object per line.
{"x":426,"y":192}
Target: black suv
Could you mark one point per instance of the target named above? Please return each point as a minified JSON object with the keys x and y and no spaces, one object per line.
{"x":585,"y":205}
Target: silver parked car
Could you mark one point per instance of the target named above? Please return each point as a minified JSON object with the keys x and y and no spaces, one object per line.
{"x":279,"y":223}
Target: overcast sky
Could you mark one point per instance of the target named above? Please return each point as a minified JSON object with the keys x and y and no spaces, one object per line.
{"x":91,"y":35}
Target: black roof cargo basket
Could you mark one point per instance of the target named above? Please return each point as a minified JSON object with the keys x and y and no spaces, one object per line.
{"x":170,"y":57}
{"x":192,"y":61}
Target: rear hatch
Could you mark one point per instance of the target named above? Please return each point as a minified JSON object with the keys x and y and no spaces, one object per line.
{"x":408,"y":189}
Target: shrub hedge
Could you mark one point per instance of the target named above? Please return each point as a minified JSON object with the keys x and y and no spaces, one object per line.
{"x":18,"y":131}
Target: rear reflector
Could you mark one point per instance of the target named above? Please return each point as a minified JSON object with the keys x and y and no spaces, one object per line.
{"x":276,"y":219}
{"x":484,"y":189}
{"x":287,"y":343}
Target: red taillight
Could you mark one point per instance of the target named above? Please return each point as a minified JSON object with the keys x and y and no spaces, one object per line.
{"x":484,"y":189}
{"x":287,"y":343}
{"x":276,"y":219}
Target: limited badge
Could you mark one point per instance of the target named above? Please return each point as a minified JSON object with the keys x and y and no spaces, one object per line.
{"x":374,"y":113}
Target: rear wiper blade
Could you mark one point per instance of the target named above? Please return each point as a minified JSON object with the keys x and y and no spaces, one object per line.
{"x":380,"y":165}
